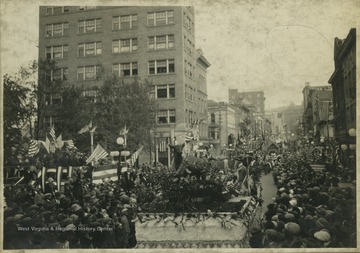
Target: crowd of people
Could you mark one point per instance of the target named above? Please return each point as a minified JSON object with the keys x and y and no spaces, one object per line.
{"x":81,"y":215}
{"x":309,"y":210}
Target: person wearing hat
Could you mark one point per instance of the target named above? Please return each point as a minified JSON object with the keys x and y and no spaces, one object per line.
{"x":125,"y":229}
{"x":50,"y":186}
{"x":257,"y":237}
{"x":242,"y":171}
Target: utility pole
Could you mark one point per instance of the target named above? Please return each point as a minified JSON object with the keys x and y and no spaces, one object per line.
{"x":220,"y":122}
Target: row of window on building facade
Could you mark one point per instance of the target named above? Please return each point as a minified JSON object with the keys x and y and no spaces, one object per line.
{"x":94,"y":72}
{"x":118,"y":46}
{"x":124,"y":22}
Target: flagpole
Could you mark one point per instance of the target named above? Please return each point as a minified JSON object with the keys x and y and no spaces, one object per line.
{"x":92,"y":141}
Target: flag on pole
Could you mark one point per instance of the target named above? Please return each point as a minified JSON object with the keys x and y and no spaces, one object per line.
{"x":99,"y":153}
{"x":93,"y":130}
{"x":34,"y":148}
{"x":85,"y":128}
{"x":105,"y":172}
{"x":59,"y":142}
{"x":124,"y":131}
{"x":52,"y":132}
{"x":135,"y":156}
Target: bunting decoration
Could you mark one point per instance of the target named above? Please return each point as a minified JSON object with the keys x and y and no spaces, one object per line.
{"x":98,"y":154}
{"x":34,"y":148}
{"x":59,"y":174}
{"x":105,"y":172}
{"x":189,"y":136}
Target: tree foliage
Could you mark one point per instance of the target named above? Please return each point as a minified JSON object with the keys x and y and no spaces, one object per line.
{"x":15,"y":118}
{"x":124,"y":103}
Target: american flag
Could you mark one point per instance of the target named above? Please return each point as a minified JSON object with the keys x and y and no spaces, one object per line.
{"x":34,"y":148}
{"x":70,"y":144}
{"x":98,"y":154}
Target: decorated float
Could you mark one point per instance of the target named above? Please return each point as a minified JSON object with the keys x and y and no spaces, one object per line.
{"x":197,"y":204}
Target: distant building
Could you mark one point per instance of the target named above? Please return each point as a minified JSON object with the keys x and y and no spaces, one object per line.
{"x":285,"y":122}
{"x":252,"y":98}
{"x":318,"y":112}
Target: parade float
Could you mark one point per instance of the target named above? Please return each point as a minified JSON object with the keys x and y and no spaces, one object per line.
{"x":197,"y":206}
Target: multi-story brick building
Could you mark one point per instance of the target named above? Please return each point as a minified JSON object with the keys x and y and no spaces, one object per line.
{"x":343,"y":82}
{"x":152,"y":43}
{"x":251,"y":98}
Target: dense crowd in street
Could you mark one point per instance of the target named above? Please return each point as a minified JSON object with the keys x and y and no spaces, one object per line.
{"x":310,"y":210}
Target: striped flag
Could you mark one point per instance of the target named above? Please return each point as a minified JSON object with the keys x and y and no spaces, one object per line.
{"x":135,"y":156}
{"x":105,"y":172}
{"x":52,"y":132}
{"x":98,"y":154}
{"x":189,"y":136}
{"x":70,"y":144}
{"x":85,"y":128}
{"x":34,"y":148}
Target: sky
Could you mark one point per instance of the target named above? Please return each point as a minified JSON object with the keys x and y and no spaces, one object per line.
{"x":273,"y":46}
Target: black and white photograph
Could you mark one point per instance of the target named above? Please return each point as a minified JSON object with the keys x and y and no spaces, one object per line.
{"x":202,"y":125}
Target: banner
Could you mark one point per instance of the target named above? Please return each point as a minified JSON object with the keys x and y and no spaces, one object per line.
{"x":105,"y":172}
